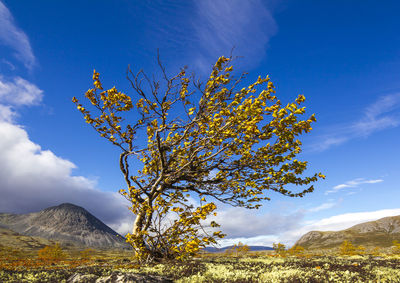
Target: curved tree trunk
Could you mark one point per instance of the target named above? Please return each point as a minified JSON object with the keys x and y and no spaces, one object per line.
{"x":137,"y":231}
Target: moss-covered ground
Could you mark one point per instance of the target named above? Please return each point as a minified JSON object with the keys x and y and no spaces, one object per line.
{"x":25,"y":266}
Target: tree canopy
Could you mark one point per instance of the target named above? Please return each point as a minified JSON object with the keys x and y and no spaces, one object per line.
{"x":217,"y":140}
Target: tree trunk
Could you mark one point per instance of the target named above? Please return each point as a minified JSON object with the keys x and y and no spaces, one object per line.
{"x":139,"y":246}
{"x":138,"y":225}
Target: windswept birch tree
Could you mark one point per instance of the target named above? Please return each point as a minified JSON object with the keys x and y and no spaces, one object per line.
{"x":213,"y":142}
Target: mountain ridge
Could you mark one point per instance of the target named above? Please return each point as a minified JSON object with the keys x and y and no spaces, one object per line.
{"x":378,"y":233}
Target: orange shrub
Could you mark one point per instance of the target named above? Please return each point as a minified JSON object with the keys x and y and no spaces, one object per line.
{"x":54,"y":252}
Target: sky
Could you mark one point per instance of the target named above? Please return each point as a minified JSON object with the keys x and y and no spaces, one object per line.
{"x":344,"y":56}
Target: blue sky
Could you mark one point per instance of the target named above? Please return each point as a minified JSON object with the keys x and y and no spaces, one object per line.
{"x":344,"y":56}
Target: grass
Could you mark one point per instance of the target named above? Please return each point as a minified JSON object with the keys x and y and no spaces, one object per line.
{"x":24,"y":266}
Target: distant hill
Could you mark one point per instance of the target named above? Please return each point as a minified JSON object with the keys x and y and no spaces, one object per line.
{"x":67,"y":223}
{"x":12,"y":239}
{"x":223,"y":249}
{"x":379,"y":233}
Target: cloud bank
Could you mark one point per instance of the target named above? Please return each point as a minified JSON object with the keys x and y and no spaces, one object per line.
{"x":12,"y":36}
{"x":32,"y":179}
{"x":240,"y":222}
{"x":246,"y":226}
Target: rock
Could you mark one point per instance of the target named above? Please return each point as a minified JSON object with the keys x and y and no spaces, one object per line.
{"x":118,"y":277}
{"x":84,"y":278}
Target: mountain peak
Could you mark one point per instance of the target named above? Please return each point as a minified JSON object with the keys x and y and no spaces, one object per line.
{"x":65,"y":222}
{"x":67,"y":207}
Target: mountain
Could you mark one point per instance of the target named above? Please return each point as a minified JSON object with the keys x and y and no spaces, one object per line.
{"x":379,"y":233}
{"x":66,"y":223}
{"x":223,"y":249}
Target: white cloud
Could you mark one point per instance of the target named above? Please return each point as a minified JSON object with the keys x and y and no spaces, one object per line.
{"x":211,"y":29}
{"x":16,"y":93}
{"x":32,"y":179}
{"x":15,"y":38}
{"x":8,"y":64}
{"x":221,"y":25}
{"x":382,"y":114}
{"x":266,"y":240}
{"x":19,"y":92}
{"x":253,"y":228}
{"x":328,"y":141}
{"x":374,"y":120}
{"x":353,"y":184}
{"x":7,"y":114}
{"x":324,"y":206}
{"x":241,"y":222}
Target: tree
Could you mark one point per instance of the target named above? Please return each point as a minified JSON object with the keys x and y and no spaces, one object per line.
{"x":347,"y":248}
{"x":280,"y":249}
{"x":237,"y":250}
{"x":240,"y":249}
{"x":360,"y":250}
{"x":296,"y":251}
{"x":213,"y":140}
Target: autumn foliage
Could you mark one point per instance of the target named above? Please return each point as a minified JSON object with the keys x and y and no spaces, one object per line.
{"x":347,"y":248}
{"x":214,"y":142}
{"x":51,"y":253}
{"x":396,"y":247}
{"x":279,"y":248}
{"x":238,"y":250}
{"x":296,"y":251}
